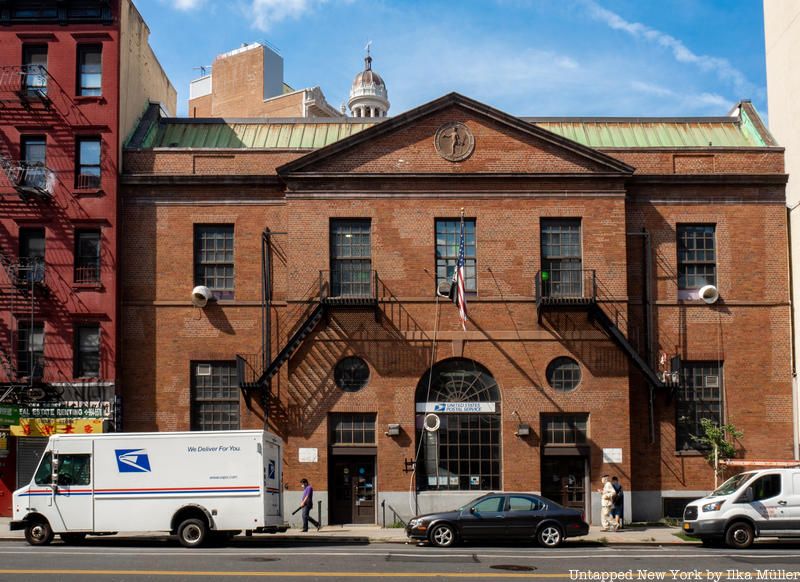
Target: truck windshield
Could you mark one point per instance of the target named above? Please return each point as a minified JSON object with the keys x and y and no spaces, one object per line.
{"x":44,"y":474}
{"x":732,"y":484}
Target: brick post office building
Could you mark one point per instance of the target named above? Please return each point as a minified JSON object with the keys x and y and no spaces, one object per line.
{"x":75,"y":76}
{"x":587,"y":242}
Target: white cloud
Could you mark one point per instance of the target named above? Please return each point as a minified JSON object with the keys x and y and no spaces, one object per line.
{"x":721,"y":67}
{"x":187,"y":4}
{"x":689,"y":101}
{"x":265,"y":13}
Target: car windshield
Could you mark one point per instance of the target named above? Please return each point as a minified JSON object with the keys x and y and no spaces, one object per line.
{"x":470,"y":504}
{"x":732,"y":484}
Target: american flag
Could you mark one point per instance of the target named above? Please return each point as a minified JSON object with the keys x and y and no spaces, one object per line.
{"x":457,"y":292}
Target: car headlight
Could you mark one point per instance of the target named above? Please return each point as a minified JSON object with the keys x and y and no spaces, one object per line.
{"x":713,"y":506}
{"x":414,"y":522}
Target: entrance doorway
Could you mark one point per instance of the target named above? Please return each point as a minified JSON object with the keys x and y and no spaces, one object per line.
{"x":352,"y":489}
{"x":564,"y":481}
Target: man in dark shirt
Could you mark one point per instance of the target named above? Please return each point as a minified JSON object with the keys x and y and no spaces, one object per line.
{"x":307,"y":503}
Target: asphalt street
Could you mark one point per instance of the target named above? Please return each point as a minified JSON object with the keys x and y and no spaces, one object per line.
{"x":108,"y":559}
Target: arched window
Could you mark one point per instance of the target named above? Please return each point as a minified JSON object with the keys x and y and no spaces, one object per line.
{"x":463,"y":453}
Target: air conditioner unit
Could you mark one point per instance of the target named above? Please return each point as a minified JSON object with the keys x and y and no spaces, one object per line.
{"x":712,"y":381}
{"x":203,"y":369}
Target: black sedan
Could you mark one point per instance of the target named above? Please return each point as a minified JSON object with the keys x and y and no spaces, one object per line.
{"x":519,"y":516}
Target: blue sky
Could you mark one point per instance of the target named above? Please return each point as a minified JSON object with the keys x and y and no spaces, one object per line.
{"x":526,"y":57}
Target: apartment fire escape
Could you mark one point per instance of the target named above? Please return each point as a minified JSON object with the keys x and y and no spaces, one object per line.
{"x":576,"y":290}
{"x":337,"y":290}
{"x":21,"y":358}
{"x":26,"y":86}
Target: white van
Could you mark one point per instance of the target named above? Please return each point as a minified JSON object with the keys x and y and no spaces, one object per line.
{"x":753,"y":504}
{"x":196,"y":485}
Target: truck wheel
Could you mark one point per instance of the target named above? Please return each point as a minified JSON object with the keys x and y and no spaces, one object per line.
{"x":740,"y":535}
{"x":39,"y":533}
{"x":192,"y":533}
{"x":73,"y":539}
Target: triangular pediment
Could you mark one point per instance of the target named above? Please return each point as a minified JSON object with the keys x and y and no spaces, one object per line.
{"x":458,"y":136}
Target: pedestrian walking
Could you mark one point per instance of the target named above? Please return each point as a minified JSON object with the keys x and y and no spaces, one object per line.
{"x":307,"y":504}
{"x":617,"y":509}
{"x":606,"y":503}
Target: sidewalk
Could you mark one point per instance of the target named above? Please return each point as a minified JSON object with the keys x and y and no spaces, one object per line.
{"x":364,"y":534}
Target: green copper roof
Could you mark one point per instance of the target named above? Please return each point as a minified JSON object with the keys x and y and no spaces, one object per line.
{"x":314,"y":134}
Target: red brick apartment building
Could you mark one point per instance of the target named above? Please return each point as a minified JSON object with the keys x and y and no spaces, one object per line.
{"x":588,"y":349}
{"x":75,"y":77}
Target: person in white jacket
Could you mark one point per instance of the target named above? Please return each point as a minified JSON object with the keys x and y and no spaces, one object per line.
{"x":606,"y":504}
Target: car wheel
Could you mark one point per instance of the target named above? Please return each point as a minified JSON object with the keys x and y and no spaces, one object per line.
{"x":740,"y":535}
{"x":443,"y":536}
{"x":39,"y":533}
{"x":72,"y":539}
{"x":192,"y":533}
{"x":550,"y":536}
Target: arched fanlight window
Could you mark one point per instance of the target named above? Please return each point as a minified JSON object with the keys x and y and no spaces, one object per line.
{"x":464,"y":452}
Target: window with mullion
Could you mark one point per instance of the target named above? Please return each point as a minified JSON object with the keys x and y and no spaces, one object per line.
{"x":88,"y":163}
{"x":561,"y":257}
{"x":30,"y":348}
{"x":351,"y":258}
{"x":90,"y":70}
{"x":697,"y":255}
{"x":215,"y":396}
{"x":87,"y":351}
{"x":353,"y":429}
{"x":448,"y":236}
{"x":564,"y":429}
{"x":699,"y":397}
{"x":34,"y":158}
{"x":214,"y":259}
{"x":87,"y":256}
{"x":34,"y":62}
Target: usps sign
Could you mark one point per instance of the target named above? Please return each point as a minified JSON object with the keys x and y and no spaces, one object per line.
{"x":455,"y":407}
{"x":132,"y":461}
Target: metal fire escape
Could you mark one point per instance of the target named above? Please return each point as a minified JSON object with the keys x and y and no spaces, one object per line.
{"x":576,"y":290}
{"x":26,"y":86}
{"x":337,"y":290}
{"x":25,"y":284}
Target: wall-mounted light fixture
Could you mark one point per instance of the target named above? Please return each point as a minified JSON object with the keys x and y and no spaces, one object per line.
{"x":392,"y":430}
{"x":523,"y":430}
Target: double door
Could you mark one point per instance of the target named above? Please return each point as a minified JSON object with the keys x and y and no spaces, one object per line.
{"x":564,"y":481}
{"x":353,"y":490}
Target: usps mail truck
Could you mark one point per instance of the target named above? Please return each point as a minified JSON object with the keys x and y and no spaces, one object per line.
{"x":196,"y":485}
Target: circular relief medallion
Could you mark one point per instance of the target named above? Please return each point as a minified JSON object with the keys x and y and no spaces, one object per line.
{"x":454,"y":141}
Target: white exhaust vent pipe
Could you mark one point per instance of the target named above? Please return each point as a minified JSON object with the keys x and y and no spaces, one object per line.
{"x":201,"y":295}
{"x":709,"y":294}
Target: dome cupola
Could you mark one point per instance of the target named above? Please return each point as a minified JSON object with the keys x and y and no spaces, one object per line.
{"x":368,"y":95}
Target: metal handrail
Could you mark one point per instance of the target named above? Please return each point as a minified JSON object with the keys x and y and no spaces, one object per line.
{"x":566,"y":286}
{"x":351,"y":286}
{"x":29,"y":176}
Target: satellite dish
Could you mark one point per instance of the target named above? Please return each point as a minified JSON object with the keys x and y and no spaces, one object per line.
{"x":431,"y":422}
{"x":201,"y":295}
{"x":709,"y":294}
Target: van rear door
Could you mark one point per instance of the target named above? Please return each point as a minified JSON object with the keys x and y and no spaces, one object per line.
{"x":74,"y":491}
{"x":272,"y":481}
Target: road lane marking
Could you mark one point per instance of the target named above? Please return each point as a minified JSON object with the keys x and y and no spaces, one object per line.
{"x":290,"y":574}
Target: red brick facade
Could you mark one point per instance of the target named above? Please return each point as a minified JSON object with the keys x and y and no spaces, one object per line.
{"x":517,"y":175}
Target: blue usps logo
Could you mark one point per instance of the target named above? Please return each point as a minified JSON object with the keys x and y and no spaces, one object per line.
{"x":271,"y":470}
{"x":132,"y":461}
{"x":438,"y":407}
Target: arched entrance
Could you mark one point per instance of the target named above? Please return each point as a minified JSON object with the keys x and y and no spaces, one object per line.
{"x":463,"y":453}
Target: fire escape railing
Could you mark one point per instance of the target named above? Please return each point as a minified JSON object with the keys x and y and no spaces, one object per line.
{"x":27,"y":83}
{"x":29,"y":178}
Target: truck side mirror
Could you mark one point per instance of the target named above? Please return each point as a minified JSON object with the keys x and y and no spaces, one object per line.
{"x":748,"y":495}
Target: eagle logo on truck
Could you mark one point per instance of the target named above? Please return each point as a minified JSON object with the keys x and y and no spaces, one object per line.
{"x":132,"y":461}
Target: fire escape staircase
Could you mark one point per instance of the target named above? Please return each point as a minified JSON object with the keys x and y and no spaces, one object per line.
{"x":336,"y":290}
{"x":576,"y":290}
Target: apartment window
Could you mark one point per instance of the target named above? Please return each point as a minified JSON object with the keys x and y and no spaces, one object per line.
{"x":87,"y":351}
{"x":697,"y":255}
{"x":353,"y":429}
{"x":215,"y":396}
{"x":213,"y":258}
{"x":351,"y":258}
{"x":34,"y":63}
{"x":87,"y":256}
{"x":563,"y":374}
{"x":34,"y":173}
{"x":87,"y":174}
{"x":448,"y":236}
{"x":31,"y":255}
{"x":564,"y":429}
{"x":30,"y":349}
{"x":90,"y":71}
{"x":562,"y":274}
{"x":699,"y":397}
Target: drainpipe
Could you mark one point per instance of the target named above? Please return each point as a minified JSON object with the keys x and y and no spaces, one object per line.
{"x":792,"y":331}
